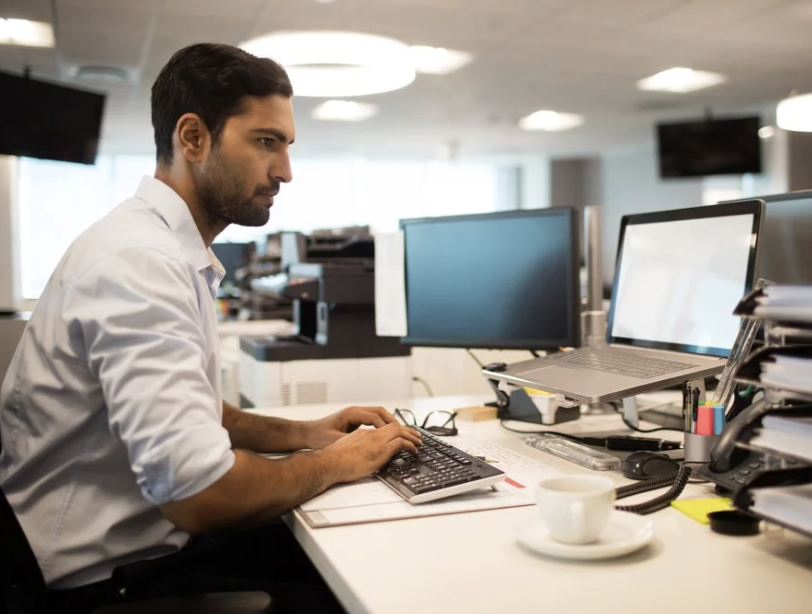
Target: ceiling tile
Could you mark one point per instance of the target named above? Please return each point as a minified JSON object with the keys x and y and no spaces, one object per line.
{"x":617,"y":13}
{"x":577,"y":55}
{"x":709,"y":15}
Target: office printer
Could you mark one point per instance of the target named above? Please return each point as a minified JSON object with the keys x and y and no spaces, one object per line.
{"x":334,"y":354}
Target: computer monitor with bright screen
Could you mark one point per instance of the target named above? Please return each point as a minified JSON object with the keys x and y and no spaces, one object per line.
{"x":506,"y":280}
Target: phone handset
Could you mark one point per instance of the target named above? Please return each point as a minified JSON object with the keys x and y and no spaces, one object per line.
{"x":725,"y":455}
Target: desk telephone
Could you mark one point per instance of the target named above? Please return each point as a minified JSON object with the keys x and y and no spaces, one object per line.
{"x":732,"y":467}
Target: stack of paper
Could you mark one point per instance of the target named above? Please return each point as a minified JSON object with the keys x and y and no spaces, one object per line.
{"x":787,"y":505}
{"x":793,"y":303}
{"x":786,"y":435}
{"x":792,"y":373}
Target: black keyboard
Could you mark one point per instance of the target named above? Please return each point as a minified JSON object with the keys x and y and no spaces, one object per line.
{"x":439,"y":470}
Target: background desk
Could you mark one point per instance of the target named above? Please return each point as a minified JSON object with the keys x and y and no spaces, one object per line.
{"x":470,"y":563}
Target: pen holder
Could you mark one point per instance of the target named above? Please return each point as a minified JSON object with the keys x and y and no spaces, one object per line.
{"x":698,"y":447}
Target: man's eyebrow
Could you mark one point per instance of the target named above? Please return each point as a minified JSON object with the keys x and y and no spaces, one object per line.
{"x":278,"y":134}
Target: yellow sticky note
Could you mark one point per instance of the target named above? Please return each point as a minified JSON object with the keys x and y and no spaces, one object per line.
{"x":698,"y":509}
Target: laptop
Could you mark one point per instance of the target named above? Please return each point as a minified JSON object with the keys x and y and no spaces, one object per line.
{"x":678,"y":276}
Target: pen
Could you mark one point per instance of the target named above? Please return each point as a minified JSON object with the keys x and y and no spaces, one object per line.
{"x":686,"y":407}
{"x":695,"y":407}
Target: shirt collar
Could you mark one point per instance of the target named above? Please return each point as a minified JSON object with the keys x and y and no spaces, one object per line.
{"x":175,"y":212}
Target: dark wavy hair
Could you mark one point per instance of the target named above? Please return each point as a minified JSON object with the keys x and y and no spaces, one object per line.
{"x":212,"y":81}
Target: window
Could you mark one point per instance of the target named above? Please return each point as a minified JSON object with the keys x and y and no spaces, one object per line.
{"x":324,"y":194}
{"x":71,"y":197}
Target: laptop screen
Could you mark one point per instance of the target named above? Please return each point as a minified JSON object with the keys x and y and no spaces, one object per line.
{"x":680,"y":274}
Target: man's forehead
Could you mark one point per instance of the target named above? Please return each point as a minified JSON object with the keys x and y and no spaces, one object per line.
{"x":267,"y":112}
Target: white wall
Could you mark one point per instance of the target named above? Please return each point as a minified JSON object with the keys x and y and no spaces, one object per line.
{"x":451,"y":371}
{"x":631,"y":184}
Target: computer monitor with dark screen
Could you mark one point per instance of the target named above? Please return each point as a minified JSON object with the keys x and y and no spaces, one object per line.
{"x":786,"y":228}
{"x":497,"y":280}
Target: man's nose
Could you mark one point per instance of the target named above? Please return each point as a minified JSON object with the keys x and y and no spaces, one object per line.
{"x":282,"y":171}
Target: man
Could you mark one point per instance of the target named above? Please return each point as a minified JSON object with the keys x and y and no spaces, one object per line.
{"x":116,"y":444}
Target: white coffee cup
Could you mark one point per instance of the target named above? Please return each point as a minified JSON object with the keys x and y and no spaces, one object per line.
{"x":576,"y":508}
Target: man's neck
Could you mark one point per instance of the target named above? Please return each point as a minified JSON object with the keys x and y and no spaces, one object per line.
{"x":184,"y":187}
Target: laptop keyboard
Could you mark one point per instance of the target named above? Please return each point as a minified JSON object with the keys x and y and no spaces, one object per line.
{"x":611,"y":360}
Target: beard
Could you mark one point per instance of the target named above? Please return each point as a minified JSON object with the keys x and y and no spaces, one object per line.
{"x":223,"y":198}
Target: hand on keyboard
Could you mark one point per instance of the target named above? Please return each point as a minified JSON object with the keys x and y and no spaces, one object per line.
{"x":364,"y":451}
{"x":439,"y":470}
{"x":321,"y":433}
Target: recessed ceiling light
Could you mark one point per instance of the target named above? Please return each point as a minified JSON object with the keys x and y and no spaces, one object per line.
{"x":680,"y":80}
{"x":344,"y":111}
{"x":337,"y":64}
{"x":26,"y":33}
{"x":107,"y":75}
{"x":550,"y":121}
{"x":438,"y":60}
{"x":795,"y":113}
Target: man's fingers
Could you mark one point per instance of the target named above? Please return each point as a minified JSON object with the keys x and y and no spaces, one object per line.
{"x":372,"y":416}
{"x":386,"y":416}
{"x":412,"y":435}
{"x":394,"y":431}
{"x":398,"y":444}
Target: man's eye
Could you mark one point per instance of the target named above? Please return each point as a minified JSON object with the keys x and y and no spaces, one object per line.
{"x":266,"y":141}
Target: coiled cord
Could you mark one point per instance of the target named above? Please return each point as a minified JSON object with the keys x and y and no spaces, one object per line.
{"x":677,"y":481}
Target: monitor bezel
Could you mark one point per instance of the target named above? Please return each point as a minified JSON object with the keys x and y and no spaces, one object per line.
{"x":573,"y":337}
{"x":753,"y":207}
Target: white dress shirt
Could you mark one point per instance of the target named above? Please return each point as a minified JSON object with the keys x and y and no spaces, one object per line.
{"x":112,"y":405}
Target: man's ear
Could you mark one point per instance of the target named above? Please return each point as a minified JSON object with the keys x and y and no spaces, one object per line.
{"x":192,"y":138}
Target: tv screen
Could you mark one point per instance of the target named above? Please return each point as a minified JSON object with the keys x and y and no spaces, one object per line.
{"x":709,"y":147}
{"x":45,"y":120}
{"x":494,"y":280}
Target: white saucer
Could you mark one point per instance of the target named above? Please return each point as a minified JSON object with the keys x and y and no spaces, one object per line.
{"x":625,"y":533}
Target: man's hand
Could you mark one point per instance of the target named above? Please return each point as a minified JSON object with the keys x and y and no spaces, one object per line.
{"x":366,"y":450}
{"x":321,"y":433}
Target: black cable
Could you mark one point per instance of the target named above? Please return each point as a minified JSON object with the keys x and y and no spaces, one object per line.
{"x":535,"y":353}
{"x":639,"y":430}
{"x":679,"y":480}
{"x":659,"y":428}
{"x":556,"y":433}
{"x":636,"y":488}
{"x":479,"y":362}
{"x":425,"y":384}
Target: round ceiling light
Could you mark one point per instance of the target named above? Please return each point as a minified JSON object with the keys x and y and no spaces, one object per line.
{"x":337,"y":64}
{"x":795,"y":113}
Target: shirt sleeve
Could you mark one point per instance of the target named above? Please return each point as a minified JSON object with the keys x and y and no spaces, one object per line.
{"x":137,"y":317}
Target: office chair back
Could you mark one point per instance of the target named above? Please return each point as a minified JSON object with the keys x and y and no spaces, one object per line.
{"x":22,"y":587}
{"x":23,"y":590}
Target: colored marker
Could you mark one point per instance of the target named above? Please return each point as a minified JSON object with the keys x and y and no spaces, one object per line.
{"x":704,"y":422}
{"x":718,"y":419}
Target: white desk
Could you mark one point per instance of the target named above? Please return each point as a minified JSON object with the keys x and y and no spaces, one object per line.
{"x":470,"y":563}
